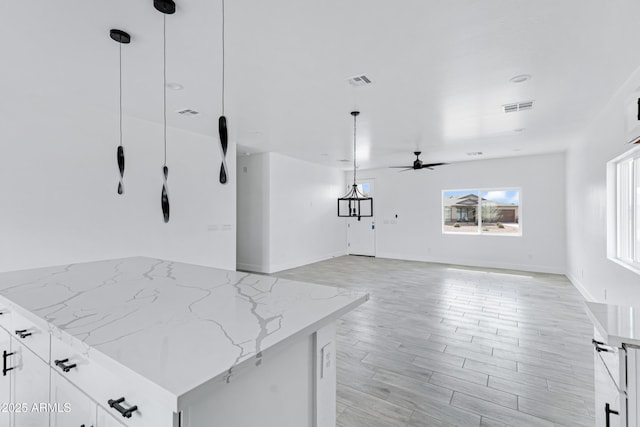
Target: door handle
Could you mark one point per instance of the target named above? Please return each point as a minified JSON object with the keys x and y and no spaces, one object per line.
{"x":608,"y":411}
{"x":4,"y":362}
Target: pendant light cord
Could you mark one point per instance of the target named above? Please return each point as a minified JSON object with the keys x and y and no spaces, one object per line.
{"x":354,"y":149}
{"x":164,"y":76}
{"x":120,"y":68}
{"x":223,"y":57}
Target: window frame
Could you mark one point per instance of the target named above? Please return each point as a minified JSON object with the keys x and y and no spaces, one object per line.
{"x":620,"y":222}
{"x":479,"y":232}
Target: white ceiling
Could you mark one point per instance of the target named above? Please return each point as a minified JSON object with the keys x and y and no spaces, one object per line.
{"x":440,"y":70}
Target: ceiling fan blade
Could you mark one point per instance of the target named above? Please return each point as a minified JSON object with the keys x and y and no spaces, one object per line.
{"x":426,"y":167}
{"x":429,"y":165}
{"x":401,"y":167}
{"x":404,"y":170}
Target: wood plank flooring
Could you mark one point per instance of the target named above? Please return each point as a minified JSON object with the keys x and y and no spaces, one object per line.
{"x":448,"y":345}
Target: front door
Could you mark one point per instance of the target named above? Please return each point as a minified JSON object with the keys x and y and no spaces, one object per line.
{"x":361,"y":235}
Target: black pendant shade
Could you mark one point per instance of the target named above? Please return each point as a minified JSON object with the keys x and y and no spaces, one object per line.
{"x":167,"y":7}
{"x":122,"y":38}
{"x":222,"y":129}
{"x":165,"y":195}
{"x":355,"y":204}
{"x":120,"y":156}
{"x":222,"y":121}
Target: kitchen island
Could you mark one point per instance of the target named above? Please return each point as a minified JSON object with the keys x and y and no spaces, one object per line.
{"x":144,"y":342}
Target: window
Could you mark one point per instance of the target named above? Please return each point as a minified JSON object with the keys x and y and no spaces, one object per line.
{"x":624,"y":210}
{"x":495,"y":212}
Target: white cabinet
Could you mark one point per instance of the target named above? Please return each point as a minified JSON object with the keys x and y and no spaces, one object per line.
{"x":607,"y":393}
{"x":106,"y":420}
{"x":70,"y":407}
{"x":29,"y":386}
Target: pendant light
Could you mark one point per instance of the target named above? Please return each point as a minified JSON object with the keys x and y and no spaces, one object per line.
{"x":122,"y":38}
{"x":355,"y":204}
{"x":222,"y":121}
{"x":167,"y":7}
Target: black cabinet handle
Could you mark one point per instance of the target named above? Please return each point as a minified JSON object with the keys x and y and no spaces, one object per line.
{"x":125,"y":412}
{"x":4,"y":362}
{"x":608,"y":411}
{"x":22,"y":333}
{"x":62,"y":365}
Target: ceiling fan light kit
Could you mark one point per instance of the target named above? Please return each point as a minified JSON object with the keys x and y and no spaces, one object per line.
{"x":354,"y":204}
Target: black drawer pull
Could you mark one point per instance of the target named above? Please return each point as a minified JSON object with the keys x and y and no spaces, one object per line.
{"x":22,"y":333}
{"x":598,"y":344}
{"x":125,"y":412}
{"x":61,"y":364}
{"x":4,"y":362}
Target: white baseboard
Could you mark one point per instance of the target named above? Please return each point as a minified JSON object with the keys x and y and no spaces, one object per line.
{"x":304,"y":261}
{"x":254,"y":268}
{"x":580,"y":287}
{"x":482,"y":264}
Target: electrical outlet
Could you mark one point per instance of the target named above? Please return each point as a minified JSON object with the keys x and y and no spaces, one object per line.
{"x":325,"y":357}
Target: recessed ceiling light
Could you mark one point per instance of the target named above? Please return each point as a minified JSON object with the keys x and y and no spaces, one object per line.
{"x":518,"y":129}
{"x":344,"y":160}
{"x":174,"y":86}
{"x":520,"y":78}
{"x":475,"y":153}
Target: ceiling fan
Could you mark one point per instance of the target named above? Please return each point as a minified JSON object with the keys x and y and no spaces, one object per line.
{"x":417,"y":164}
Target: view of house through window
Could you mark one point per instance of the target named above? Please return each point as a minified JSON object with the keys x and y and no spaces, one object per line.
{"x":481,"y":211}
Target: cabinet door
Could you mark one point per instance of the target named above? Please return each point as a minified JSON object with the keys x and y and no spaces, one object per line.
{"x":106,"y":420}
{"x":70,"y":407}
{"x":5,"y":382}
{"x":29,"y":387}
{"x":607,"y":395}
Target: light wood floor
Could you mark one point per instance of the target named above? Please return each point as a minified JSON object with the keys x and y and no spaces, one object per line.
{"x":445,"y":345}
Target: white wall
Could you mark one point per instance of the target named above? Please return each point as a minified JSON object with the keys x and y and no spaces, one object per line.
{"x":415,"y":196}
{"x":301,"y":217}
{"x":253,"y":213}
{"x":587,"y":265}
{"x":59,"y":202}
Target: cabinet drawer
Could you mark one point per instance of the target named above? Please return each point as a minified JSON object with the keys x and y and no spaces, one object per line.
{"x":5,"y":317}
{"x":33,"y":336}
{"x":103,"y":385}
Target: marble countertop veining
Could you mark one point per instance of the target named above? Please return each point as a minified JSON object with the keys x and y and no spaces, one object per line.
{"x":617,"y":324}
{"x":177,"y":325}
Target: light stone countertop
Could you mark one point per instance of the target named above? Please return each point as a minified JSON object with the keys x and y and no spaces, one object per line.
{"x":617,"y":324}
{"x":177,"y":325}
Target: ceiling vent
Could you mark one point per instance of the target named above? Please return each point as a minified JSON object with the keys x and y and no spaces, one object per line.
{"x":359,"y":80}
{"x":518,"y":106}
{"x":188,"y":112}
